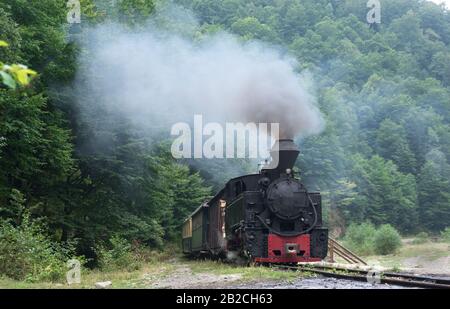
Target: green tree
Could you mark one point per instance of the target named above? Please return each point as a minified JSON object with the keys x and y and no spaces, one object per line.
{"x":434,"y":193}
{"x":134,"y":11}
{"x":250,"y":28}
{"x":393,"y":145}
{"x":37,"y":155}
{"x":174,"y":192}
{"x":384,"y":194}
{"x":440,"y":66}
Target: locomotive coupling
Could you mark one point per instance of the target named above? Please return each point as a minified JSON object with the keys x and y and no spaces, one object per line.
{"x":291,"y":249}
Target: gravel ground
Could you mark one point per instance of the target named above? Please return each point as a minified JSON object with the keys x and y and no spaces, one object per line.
{"x":183,"y":278}
{"x":315,"y":283}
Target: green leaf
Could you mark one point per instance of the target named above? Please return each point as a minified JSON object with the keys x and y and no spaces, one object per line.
{"x":8,"y":80}
{"x":3,"y":44}
{"x":23,"y":76}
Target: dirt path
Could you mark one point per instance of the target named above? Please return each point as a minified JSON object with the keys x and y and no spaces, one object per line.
{"x":420,"y":265}
{"x":183,"y":277}
{"x":429,"y":258}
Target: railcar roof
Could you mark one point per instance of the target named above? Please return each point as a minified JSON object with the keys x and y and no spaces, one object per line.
{"x":218,"y":195}
{"x":243,"y":176}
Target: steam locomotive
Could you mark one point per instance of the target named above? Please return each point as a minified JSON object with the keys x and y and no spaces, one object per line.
{"x":268,"y":217}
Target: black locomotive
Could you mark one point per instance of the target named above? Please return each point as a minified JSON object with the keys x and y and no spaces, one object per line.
{"x":268,"y":217}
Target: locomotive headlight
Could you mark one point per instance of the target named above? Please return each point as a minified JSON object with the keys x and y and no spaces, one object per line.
{"x":288,"y":171}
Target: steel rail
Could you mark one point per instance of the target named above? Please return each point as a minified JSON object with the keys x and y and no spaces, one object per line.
{"x":399,"y":279}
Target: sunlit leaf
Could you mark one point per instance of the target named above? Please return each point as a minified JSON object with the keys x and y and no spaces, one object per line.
{"x":30,"y":72}
{"x":21,"y":73}
{"x":3,"y":44}
{"x":8,"y":80}
{"x":21,"y":77}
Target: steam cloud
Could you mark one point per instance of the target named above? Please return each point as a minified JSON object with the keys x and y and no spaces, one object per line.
{"x":157,"y":78}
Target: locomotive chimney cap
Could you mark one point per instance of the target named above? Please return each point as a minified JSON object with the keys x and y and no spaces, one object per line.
{"x":284,"y":153}
{"x":285,"y":144}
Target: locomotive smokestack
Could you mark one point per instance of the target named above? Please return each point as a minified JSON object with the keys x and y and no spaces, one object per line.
{"x":284,"y":153}
{"x":287,"y":152}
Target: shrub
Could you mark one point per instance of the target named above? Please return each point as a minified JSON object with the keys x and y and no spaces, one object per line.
{"x":446,"y":234}
{"x":365,"y":239}
{"x":118,"y":254}
{"x":27,"y":253}
{"x":421,"y":238}
{"x":387,"y":240}
{"x":360,"y":238}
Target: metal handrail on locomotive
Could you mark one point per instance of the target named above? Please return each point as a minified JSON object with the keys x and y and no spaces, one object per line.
{"x":268,"y":217}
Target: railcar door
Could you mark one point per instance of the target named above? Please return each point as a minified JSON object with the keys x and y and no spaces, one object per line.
{"x":216,"y":237}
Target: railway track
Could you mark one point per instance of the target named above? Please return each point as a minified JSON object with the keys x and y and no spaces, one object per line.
{"x":392,"y":278}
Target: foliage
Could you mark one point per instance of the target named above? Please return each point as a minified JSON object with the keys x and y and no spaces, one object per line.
{"x":421,"y":238}
{"x":445,"y":234}
{"x":15,"y":74}
{"x":36,"y":150}
{"x":118,"y":255}
{"x":121,"y":254}
{"x":174,"y":192}
{"x":384,"y":194}
{"x":393,"y":145}
{"x":250,"y":28}
{"x":360,"y":238}
{"x":365,"y":239}
{"x":435,"y":195}
{"x":27,"y":253}
{"x":387,"y":240}
{"x":135,"y":10}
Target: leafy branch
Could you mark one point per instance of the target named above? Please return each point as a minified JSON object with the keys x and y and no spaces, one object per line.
{"x":15,"y":74}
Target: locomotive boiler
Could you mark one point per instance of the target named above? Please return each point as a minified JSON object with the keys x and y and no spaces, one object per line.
{"x":269,"y":217}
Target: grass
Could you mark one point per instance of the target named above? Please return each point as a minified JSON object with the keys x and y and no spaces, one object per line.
{"x":423,"y":255}
{"x":162,"y":267}
{"x":156,"y":271}
{"x":119,"y":278}
{"x":427,"y":252}
{"x":247,"y":273}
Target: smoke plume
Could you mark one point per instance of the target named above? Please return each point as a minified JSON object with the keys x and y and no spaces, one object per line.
{"x":156,"y":78}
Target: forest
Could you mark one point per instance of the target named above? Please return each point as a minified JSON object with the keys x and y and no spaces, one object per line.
{"x":84,"y":175}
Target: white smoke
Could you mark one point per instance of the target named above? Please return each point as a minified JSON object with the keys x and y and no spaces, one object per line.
{"x":156,"y":78}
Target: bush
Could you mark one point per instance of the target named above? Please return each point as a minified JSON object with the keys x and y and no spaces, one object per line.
{"x":445,"y":234}
{"x":360,"y":238}
{"x":27,"y":253}
{"x":119,"y":254}
{"x":365,"y":239}
{"x":421,"y":238}
{"x":387,"y":240}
